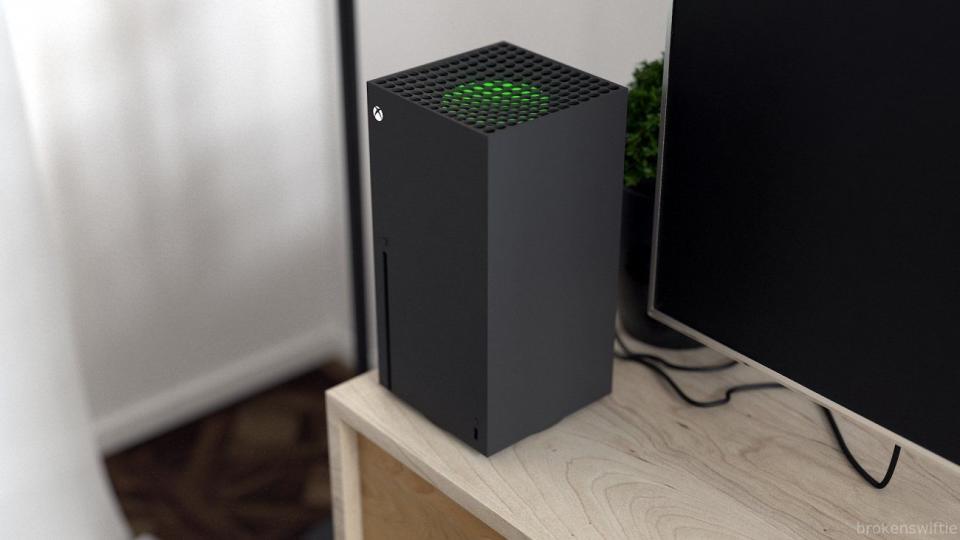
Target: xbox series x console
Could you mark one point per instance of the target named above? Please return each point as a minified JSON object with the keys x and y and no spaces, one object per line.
{"x":496,"y":181}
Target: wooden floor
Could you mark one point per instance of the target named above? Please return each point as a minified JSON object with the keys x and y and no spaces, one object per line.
{"x":257,"y":469}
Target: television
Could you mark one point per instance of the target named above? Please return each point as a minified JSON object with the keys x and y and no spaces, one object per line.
{"x":808,"y":201}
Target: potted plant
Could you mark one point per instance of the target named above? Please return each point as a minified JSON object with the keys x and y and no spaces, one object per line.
{"x":639,"y":185}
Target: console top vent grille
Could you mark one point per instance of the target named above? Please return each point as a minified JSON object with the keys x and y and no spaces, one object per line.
{"x":495,"y":87}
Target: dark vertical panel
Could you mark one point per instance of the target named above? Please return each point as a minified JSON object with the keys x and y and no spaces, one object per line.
{"x":348,"y":72}
{"x":809,"y":198}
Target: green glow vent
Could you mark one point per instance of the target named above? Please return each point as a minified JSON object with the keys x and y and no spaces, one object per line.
{"x":489,"y":101}
{"x":496,"y":87}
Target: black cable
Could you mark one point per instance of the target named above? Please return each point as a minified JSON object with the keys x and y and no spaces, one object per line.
{"x":651,"y":362}
{"x":853,"y":461}
{"x":666,"y":363}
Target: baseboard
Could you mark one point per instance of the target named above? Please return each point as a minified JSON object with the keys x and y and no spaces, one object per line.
{"x":191,"y":399}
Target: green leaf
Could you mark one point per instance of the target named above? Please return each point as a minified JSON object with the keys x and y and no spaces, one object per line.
{"x":643,"y":125}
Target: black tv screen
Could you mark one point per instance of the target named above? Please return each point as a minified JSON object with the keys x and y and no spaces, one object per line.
{"x":809,"y":199}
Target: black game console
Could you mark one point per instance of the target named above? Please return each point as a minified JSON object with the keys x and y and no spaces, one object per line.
{"x":496,"y":183}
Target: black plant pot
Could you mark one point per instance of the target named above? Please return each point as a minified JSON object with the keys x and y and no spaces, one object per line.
{"x":636,"y":236}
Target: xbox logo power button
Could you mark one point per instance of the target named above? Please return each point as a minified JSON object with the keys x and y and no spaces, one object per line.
{"x":378,"y":113}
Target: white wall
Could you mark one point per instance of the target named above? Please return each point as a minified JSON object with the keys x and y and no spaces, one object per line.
{"x":191,"y":153}
{"x":53,"y":484}
{"x":606,"y":38}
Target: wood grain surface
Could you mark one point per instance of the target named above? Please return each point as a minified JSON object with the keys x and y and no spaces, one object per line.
{"x":399,"y":505}
{"x":642,"y":464}
{"x":344,"y":476}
